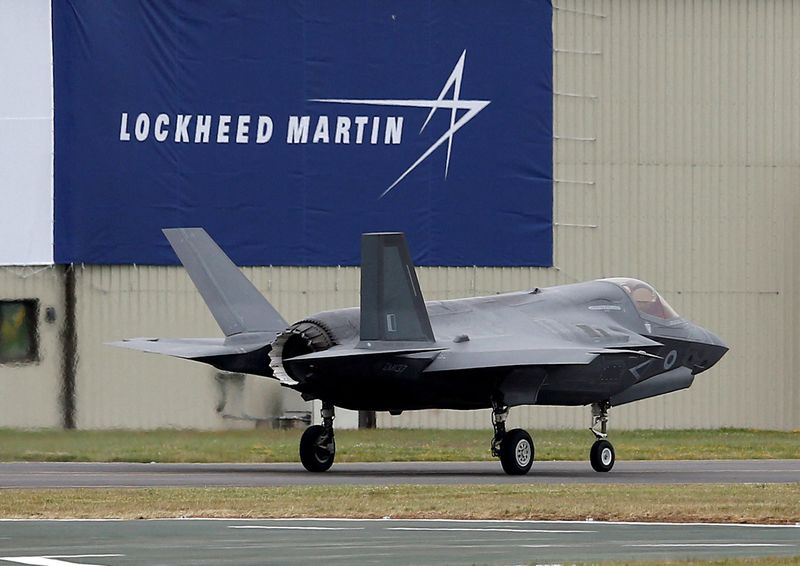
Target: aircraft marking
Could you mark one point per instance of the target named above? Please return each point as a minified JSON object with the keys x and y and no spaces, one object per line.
{"x":669,"y":359}
{"x":391,"y":322}
{"x":635,"y":370}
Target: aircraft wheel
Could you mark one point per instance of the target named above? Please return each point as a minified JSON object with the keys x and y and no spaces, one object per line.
{"x":602,"y":456}
{"x":516,"y":452}
{"x":316,"y":452}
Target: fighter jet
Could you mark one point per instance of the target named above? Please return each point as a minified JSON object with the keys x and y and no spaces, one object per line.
{"x":602,"y":343}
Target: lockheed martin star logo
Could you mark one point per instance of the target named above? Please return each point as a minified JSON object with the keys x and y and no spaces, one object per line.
{"x":471,"y":108}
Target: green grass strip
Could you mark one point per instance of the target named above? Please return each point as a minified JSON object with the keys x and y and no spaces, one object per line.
{"x":753,"y":503}
{"x":383,"y":445}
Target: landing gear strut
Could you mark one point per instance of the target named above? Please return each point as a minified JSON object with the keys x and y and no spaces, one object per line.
{"x":514,"y":448}
{"x":602,"y":453}
{"x":317,"y":445}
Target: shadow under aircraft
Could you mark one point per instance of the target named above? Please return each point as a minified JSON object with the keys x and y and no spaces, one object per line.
{"x":601,"y":343}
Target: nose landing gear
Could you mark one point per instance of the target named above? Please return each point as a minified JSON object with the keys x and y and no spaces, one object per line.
{"x":601,"y":455}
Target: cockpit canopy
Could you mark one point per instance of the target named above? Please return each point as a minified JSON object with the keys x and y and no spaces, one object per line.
{"x":648,"y":302}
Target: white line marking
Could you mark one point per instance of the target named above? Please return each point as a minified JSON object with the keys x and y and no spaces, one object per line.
{"x":707,"y":545}
{"x":483,"y":530}
{"x":294,"y":528}
{"x":53,"y":560}
{"x":544,"y":546}
{"x":499,"y":521}
{"x":468,"y":521}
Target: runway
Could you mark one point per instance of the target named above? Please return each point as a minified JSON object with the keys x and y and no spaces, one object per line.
{"x":74,"y":474}
{"x":392,"y":542}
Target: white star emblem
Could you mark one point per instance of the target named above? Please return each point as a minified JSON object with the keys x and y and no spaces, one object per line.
{"x":455,"y":104}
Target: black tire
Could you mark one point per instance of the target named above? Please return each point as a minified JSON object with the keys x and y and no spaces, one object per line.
{"x":602,"y":456}
{"x":315,"y":456}
{"x":516,"y":452}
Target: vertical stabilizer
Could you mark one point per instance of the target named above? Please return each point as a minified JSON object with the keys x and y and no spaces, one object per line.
{"x":234,"y":301}
{"x":392,"y":307}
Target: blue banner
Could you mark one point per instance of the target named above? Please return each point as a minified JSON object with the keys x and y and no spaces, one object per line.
{"x":286,"y":129}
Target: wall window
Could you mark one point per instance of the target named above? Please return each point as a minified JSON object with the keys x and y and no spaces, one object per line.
{"x":19,"y":335}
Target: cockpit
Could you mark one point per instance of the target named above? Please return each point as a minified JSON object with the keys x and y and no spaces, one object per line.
{"x":648,"y":302}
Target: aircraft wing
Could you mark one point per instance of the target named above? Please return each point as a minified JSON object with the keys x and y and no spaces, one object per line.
{"x":443,"y":357}
{"x":511,"y":352}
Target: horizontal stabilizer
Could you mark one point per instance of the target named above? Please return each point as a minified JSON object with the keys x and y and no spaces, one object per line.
{"x":234,"y":301}
{"x":243,"y":353}
{"x":189,"y":348}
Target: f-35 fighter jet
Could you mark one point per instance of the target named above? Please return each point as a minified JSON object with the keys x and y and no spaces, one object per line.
{"x":602,"y":343}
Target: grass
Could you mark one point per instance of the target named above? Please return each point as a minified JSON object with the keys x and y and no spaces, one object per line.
{"x":265,"y":445}
{"x":752,"y":503}
{"x":763,"y":561}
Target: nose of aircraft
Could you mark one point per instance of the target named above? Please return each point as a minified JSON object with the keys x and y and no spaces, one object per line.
{"x":711,"y":350}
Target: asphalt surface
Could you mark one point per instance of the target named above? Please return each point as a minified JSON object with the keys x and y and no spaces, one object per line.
{"x":393,"y":542}
{"x":73,"y":474}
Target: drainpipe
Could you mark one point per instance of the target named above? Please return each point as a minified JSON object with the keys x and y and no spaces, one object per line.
{"x":69,"y":346}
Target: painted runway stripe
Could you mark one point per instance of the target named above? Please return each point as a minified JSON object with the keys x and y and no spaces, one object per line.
{"x":545,"y":545}
{"x":586,"y":522}
{"x":708,"y":545}
{"x":484,"y":530}
{"x":54,"y":560}
{"x":295,"y":528}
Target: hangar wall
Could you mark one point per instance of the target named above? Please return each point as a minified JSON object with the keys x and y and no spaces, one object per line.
{"x":677,"y":131}
{"x":30,"y":393}
{"x":677,"y":161}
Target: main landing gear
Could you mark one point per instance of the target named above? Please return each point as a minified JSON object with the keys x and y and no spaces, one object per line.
{"x":516,"y":451}
{"x":602,"y":453}
{"x":514,"y":448}
{"x":317,"y":445}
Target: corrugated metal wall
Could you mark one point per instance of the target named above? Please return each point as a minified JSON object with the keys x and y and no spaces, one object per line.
{"x":121,"y":388}
{"x":677,"y":160}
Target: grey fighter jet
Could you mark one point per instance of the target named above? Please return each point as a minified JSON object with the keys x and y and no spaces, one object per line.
{"x":602,"y":343}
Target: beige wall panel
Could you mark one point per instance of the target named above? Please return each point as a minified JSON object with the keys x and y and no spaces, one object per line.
{"x":30,"y":393}
{"x":118,"y":388}
{"x":677,"y":160}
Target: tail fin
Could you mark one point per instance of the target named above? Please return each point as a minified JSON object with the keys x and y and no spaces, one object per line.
{"x":392,"y":307}
{"x":236,"y":304}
